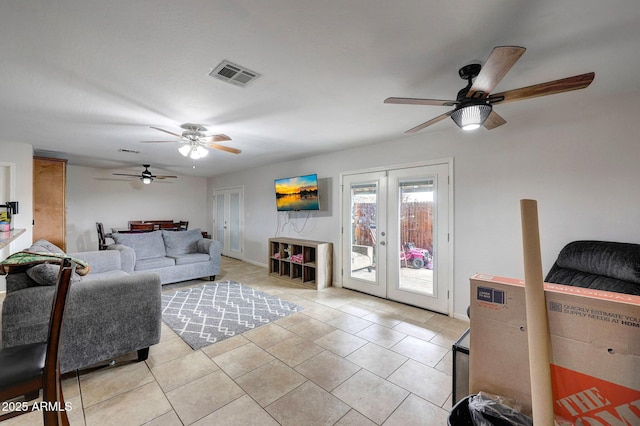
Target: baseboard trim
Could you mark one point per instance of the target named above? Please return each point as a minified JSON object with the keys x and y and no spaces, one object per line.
{"x":253,"y":262}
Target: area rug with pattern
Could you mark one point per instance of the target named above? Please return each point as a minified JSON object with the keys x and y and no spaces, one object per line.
{"x":213,"y":312}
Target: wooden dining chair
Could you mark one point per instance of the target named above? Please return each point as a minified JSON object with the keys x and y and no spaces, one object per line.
{"x":102,"y":236}
{"x":141,"y":227}
{"x":160,"y":221}
{"x":26,"y":369}
{"x":183,"y":225}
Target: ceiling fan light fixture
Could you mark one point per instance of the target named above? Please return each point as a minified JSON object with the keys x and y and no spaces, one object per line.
{"x":194,"y":150}
{"x":201,"y":150}
{"x":146,"y":179}
{"x":470,"y":117}
{"x":185,"y":150}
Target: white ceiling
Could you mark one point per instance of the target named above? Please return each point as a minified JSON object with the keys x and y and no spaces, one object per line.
{"x":85,"y":78}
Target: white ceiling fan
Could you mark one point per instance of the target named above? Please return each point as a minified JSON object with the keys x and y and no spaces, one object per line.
{"x":195,"y":142}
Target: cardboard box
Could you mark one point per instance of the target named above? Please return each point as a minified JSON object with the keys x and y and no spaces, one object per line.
{"x":595,"y":345}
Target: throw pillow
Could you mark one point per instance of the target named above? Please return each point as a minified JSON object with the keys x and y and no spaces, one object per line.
{"x":181,"y":242}
{"x":147,"y":245}
{"x":44,"y":246}
{"x":47,"y":274}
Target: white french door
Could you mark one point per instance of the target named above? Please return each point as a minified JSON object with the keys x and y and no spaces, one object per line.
{"x":396,"y":235}
{"x":228,"y":224}
{"x":364,"y":219}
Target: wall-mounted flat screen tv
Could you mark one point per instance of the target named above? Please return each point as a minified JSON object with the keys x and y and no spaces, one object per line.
{"x":297,"y":193}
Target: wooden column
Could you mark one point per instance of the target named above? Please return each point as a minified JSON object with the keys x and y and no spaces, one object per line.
{"x":49,"y":200}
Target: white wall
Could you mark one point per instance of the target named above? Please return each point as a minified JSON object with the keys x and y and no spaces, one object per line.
{"x":578,"y":161}
{"x":21,"y":157}
{"x":95,"y":195}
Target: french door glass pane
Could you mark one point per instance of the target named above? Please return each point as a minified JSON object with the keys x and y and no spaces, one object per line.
{"x":416,"y":201}
{"x":220,"y":219}
{"x":234,"y":221}
{"x":364,"y":205}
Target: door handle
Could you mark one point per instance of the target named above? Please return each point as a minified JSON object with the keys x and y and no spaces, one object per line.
{"x":382,"y":243}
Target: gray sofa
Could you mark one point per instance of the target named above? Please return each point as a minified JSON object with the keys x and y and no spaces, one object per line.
{"x":109,"y":311}
{"x":174,"y":255}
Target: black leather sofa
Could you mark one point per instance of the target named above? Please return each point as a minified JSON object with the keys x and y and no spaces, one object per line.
{"x":599,"y":265}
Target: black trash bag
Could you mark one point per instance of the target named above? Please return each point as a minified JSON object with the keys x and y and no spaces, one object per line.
{"x":492,"y":410}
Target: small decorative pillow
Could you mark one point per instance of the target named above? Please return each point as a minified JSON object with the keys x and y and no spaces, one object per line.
{"x":44,"y":274}
{"x":181,"y":242}
{"x":147,"y":245}
{"x":47,"y":274}
{"x":44,"y":246}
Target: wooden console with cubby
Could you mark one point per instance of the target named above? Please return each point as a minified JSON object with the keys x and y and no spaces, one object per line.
{"x":307,"y":262}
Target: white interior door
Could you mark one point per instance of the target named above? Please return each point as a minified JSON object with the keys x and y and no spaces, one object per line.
{"x":396,"y":235}
{"x":228,"y":225}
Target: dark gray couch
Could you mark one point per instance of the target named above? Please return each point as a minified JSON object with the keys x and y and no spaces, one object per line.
{"x":599,"y":265}
{"x":109,"y":311}
{"x":174,"y":255}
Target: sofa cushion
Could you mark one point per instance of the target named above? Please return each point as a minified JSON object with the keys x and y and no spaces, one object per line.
{"x":44,"y":274}
{"x":615,"y":260}
{"x":596,"y":282}
{"x":186,"y":259}
{"x":181,"y":242}
{"x":147,"y":245}
{"x":44,"y":246}
{"x":47,"y":274}
{"x":154,"y":263}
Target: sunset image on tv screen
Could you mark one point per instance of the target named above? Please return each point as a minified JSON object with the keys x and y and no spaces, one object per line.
{"x":297,"y":193}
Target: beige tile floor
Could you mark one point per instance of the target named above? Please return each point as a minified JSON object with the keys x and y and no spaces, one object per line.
{"x":418,"y":280}
{"x":346,"y":359}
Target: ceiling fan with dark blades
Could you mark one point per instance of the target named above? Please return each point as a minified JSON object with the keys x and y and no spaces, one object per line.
{"x":146,"y":176}
{"x":474,"y":103}
{"x":195,"y":142}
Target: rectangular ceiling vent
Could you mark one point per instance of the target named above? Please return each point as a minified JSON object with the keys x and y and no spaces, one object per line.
{"x":234,"y":74}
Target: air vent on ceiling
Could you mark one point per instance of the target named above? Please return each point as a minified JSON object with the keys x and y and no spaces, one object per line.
{"x":234,"y":74}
